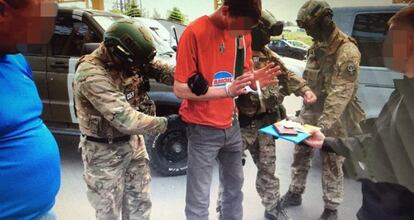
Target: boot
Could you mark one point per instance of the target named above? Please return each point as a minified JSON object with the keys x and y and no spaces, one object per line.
{"x":291,"y":199}
{"x":329,"y":214}
{"x":277,"y":213}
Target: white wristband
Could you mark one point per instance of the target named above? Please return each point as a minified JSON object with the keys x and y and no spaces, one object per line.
{"x":228,"y":89}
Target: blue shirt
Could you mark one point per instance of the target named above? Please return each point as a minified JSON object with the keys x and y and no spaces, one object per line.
{"x":29,"y":156}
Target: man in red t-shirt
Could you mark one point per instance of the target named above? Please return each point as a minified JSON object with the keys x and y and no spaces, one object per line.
{"x":214,"y":65}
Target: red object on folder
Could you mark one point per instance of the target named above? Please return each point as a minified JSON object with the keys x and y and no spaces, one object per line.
{"x":282,"y":130}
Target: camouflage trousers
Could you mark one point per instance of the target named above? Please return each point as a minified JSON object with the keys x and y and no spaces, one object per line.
{"x":332,"y":175}
{"x":263,"y":151}
{"x":118,"y":183}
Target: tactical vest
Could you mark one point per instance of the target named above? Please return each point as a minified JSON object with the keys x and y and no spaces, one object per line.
{"x":91,"y":122}
{"x":322,"y":65}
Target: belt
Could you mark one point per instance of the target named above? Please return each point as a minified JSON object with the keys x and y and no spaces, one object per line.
{"x":107,"y":140}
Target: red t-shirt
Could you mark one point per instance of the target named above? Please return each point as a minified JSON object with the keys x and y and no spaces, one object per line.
{"x":206,"y":49}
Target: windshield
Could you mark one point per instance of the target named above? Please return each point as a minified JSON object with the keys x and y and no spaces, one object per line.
{"x":161,"y":46}
{"x":106,"y":21}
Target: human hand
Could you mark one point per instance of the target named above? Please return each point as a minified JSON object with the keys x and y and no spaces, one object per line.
{"x":266,"y":75}
{"x":237,"y":87}
{"x":174,"y":122}
{"x":309,"y":98}
{"x":315,"y":140}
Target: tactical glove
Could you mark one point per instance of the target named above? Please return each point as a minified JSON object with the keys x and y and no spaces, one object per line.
{"x":174,"y":122}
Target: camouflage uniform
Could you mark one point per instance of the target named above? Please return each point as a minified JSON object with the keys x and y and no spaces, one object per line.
{"x":110,"y":104}
{"x":332,"y":74}
{"x":254,"y":115}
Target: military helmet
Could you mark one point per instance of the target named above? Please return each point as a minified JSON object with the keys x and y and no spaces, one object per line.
{"x":267,"y":26}
{"x":268,"y":22}
{"x":130,"y":41}
{"x":310,"y":12}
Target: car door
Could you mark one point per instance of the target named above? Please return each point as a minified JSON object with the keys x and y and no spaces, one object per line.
{"x":64,"y":51}
{"x":36,"y":56}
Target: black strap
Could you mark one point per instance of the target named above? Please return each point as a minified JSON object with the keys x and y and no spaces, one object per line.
{"x":240,"y":56}
{"x":108,"y":141}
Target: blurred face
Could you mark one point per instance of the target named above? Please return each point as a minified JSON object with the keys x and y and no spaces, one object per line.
{"x":32,"y":24}
{"x":313,"y":30}
{"x":398,"y":48}
{"x":239,"y":25}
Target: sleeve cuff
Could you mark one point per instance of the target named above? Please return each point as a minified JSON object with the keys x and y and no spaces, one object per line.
{"x":302,"y":90}
{"x":327,"y":145}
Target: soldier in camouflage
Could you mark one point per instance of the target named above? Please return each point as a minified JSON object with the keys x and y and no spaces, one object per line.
{"x":332,"y":73}
{"x":114,"y":111}
{"x":255,"y":113}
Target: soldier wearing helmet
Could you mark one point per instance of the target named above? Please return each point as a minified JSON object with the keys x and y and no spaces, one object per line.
{"x":256,"y":112}
{"x":114,"y":111}
{"x":332,"y":73}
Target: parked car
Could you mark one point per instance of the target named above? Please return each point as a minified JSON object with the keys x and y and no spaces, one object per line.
{"x":368,"y":25}
{"x":298,"y":43}
{"x":284,"y":48}
{"x":53,"y":64}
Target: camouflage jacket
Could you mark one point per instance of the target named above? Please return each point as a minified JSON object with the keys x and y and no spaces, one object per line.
{"x":273,"y":96}
{"x":331,"y":72}
{"x":110,"y":102}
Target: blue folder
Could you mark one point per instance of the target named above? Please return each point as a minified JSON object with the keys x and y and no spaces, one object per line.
{"x":270,"y":130}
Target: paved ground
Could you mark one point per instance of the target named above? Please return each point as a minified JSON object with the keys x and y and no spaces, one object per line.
{"x":168,"y":192}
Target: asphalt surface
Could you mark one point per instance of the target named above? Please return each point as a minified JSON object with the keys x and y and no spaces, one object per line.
{"x":168,"y":193}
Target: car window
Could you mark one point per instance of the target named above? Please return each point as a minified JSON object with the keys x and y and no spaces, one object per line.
{"x":369,"y":31}
{"x":282,"y":44}
{"x":32,"y":50}
{"x":277,"y":43}
{"x":70,"y":35}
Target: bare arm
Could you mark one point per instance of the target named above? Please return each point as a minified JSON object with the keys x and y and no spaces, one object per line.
{"x":236,"y":88}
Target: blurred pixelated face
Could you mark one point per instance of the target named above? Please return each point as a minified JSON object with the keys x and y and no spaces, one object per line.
{"x":33,"y":23}
{"x":238,"y":25}
{"x":398,"y":48}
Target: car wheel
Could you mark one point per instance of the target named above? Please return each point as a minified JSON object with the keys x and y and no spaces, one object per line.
{"x":168,"y":152}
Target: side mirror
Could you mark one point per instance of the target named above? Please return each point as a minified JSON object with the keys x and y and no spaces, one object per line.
{"x":174,"y":48}
{"x":88,"y":48}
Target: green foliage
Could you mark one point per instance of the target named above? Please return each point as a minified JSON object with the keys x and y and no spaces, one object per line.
{"x":300,"y":36}
{"x":177,"y":16}
{"x":133,"y":10}
{"x":116,"y":11}
{"x":116,"y":8}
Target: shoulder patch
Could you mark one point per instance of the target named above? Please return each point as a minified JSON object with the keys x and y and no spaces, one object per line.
{"x":351,"y":68}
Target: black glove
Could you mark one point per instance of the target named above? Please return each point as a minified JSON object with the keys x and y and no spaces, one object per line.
{"x":198,"y":84}
{"x":174,"y":122}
